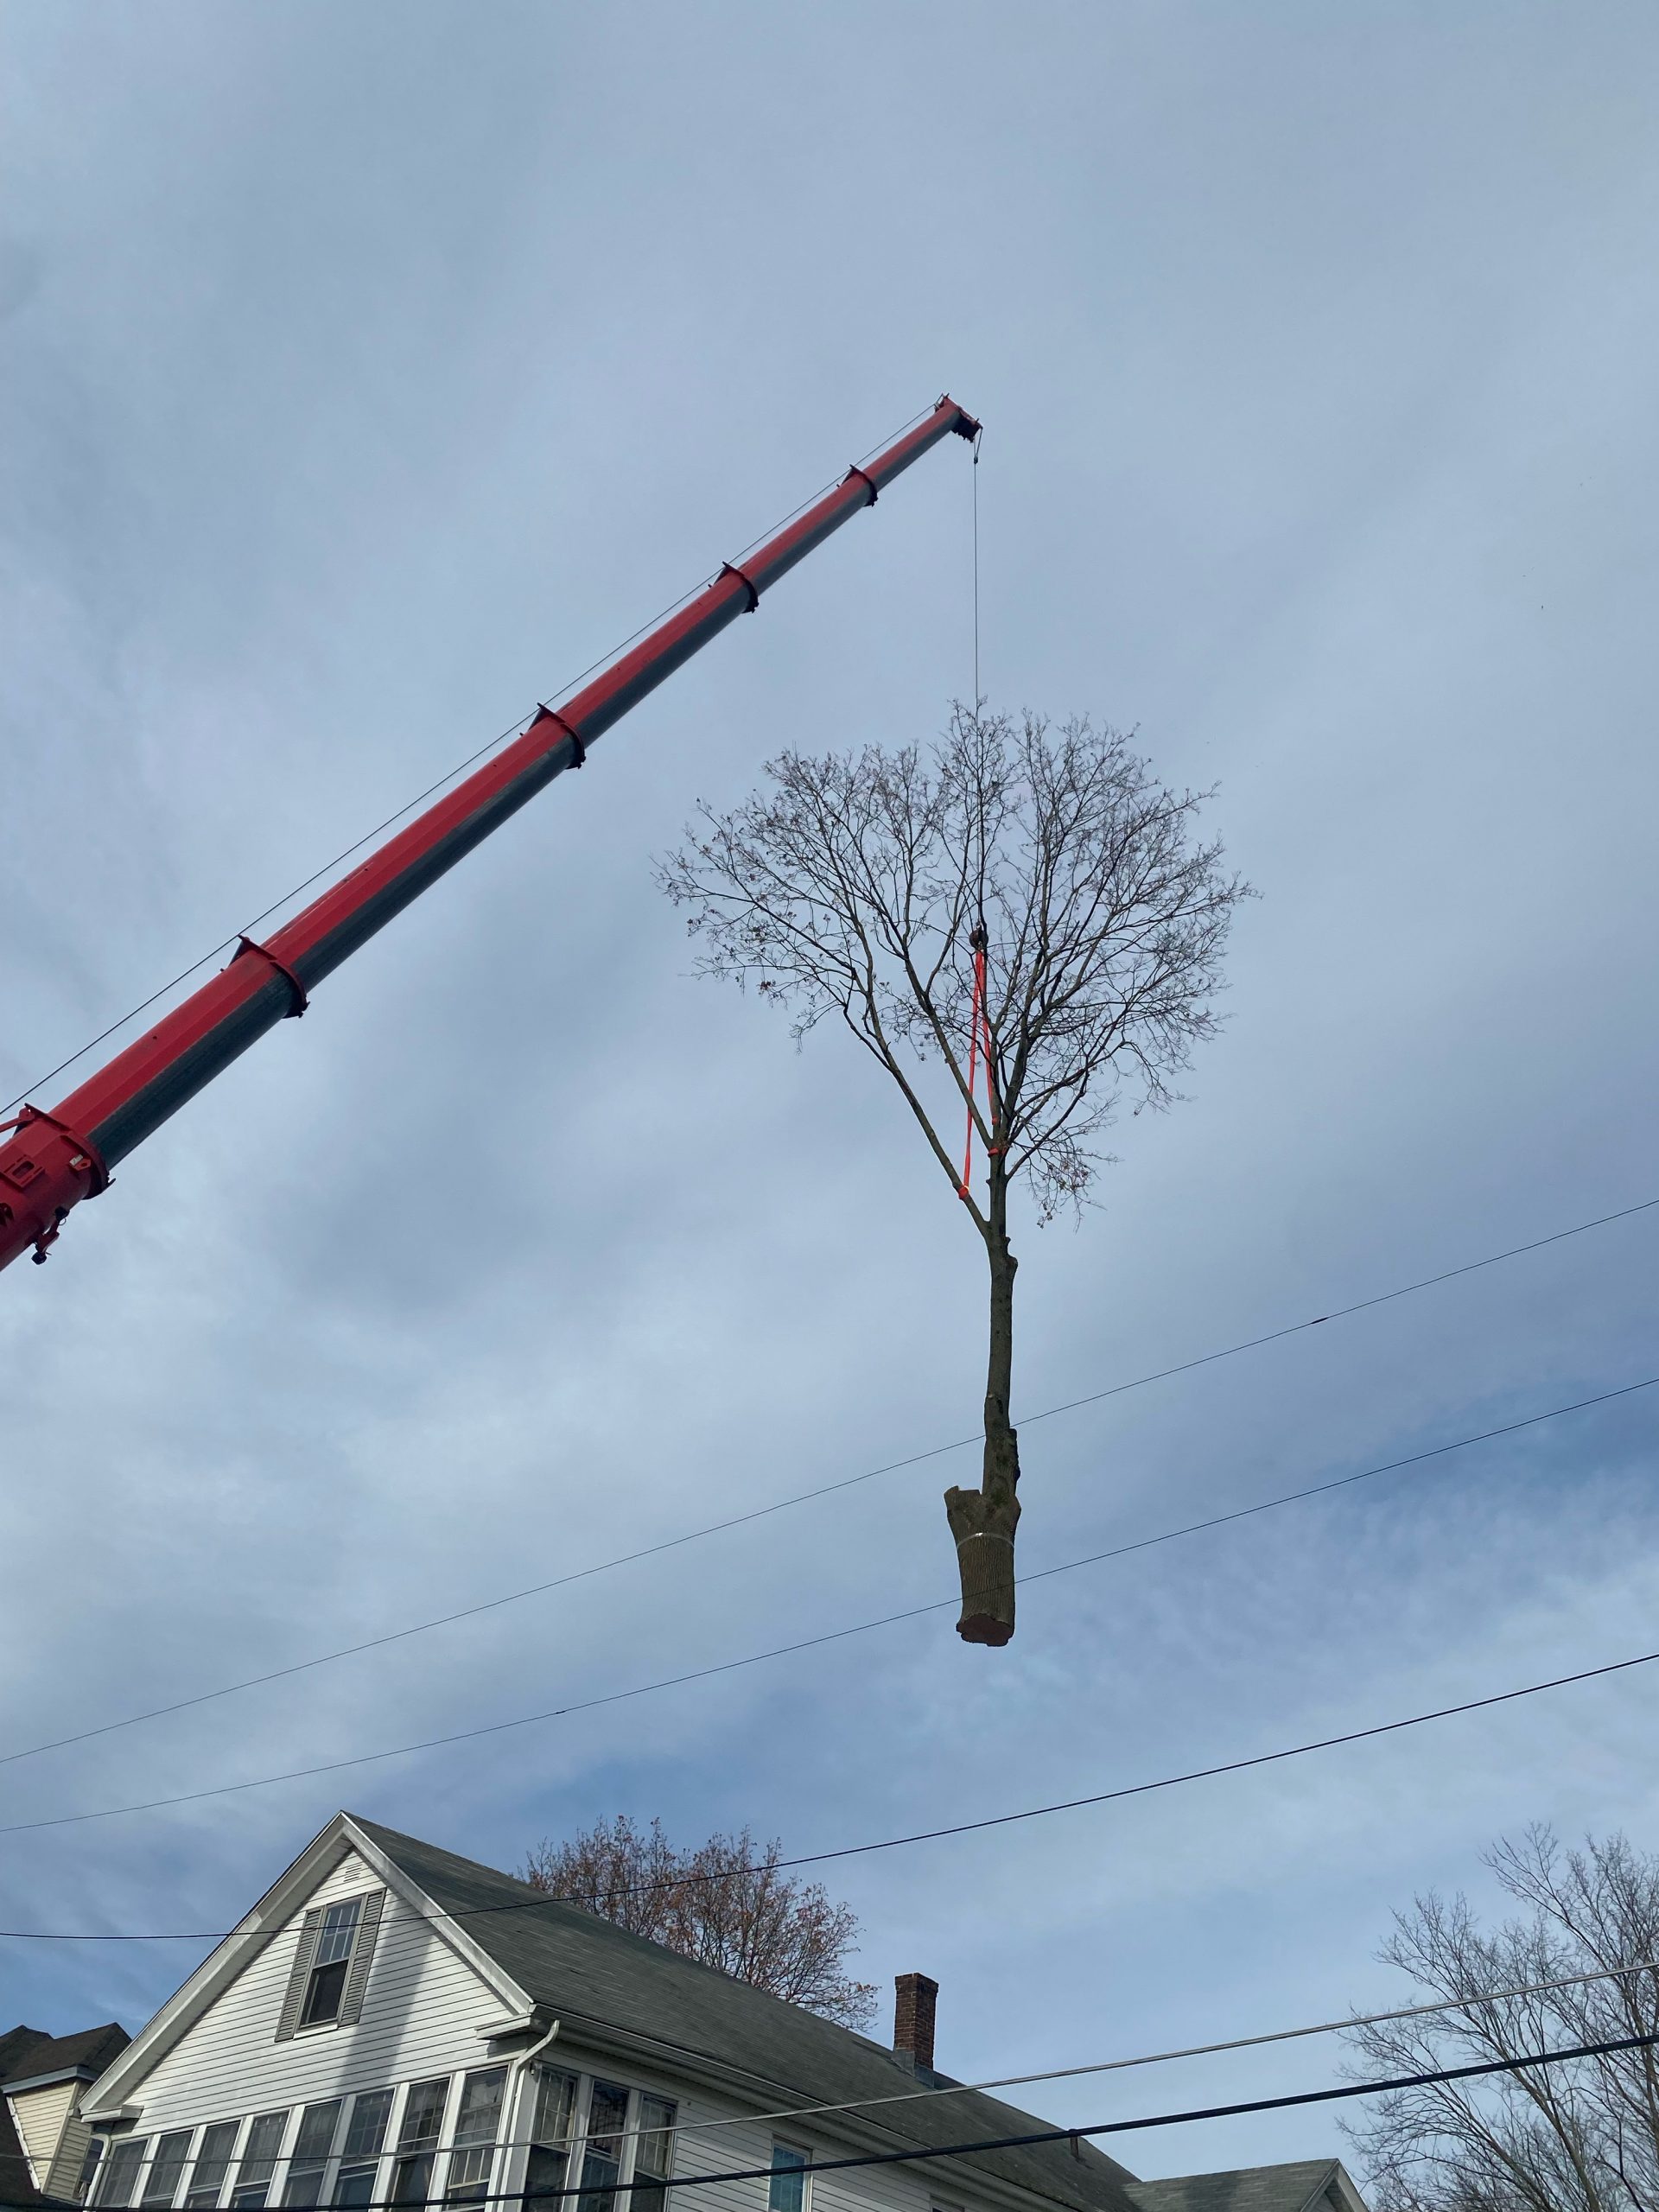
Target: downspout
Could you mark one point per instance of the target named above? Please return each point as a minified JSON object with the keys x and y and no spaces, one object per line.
{"x":518,"y":2118}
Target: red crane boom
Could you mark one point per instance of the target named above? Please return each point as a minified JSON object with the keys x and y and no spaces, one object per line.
{"x":59,"y":1156}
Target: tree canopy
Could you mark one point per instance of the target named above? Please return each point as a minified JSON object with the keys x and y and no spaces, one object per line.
{"x":1024,"y":891}
{"x":727,"y":1903}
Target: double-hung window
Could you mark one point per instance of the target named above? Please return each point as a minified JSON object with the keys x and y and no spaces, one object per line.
{"x":653,"y":2155}
{"x":417,"y":2139}
{"x":786,"y":2191}
{"x":121,"y":2171}
{"x":477,"y":2122}
{"x":212,"y":2164}
{"x":549,"y":2133}
{"x":258,"y":2163}
{"x":167,"y":2167}
{"x":326,"y":1987}
{"x":366,"y":2138}
{"x":309,"y":2160}
{"x":601,"y":2153}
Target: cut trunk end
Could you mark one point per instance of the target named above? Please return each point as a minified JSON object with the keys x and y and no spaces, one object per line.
{"x":984,"y":1533}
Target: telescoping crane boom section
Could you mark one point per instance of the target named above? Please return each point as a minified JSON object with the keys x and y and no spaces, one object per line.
{"x":59,"y":1156}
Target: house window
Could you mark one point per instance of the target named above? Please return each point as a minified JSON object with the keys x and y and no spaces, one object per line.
{"x":121,"y":2170}
{"x":310,"y":2157}
{"x":365,"y":2138}
{"x":212,"y":2164}
{"x":326,"y":1987}
{"x":167,"y":2167}
{"x":549,"y":2133}
{"x":417,"y":2139}
{"x":653,"y":2155}
{"x":259,"y":2163}
{"x":786,"y":2191}
{"x":478,"y":2123}
{"x":601,"y":2155}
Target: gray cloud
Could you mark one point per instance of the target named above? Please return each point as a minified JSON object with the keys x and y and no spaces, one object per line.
{"x":369,"y":373}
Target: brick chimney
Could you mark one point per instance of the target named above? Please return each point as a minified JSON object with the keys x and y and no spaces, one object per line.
{"x":915,"y":1997}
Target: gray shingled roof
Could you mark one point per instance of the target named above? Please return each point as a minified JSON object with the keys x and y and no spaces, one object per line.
{"x":585,"y":1967}
{"x":26,"y":2054}
{"x":1249,"y":2189}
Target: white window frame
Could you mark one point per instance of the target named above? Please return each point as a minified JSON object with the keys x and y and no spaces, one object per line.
{"x":341,"y":2159}
{"x":438,"y":2151}
{"x":129,"y":2195}
{"x":166,"y":2135}
{"x":801,"y":2151}
{"x":232,"y":2157}
{"x":278,"y":2180}
{"x":302,"y":2026}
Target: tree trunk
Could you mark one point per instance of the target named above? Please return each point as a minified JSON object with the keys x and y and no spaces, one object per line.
{"x":983,"y":1521}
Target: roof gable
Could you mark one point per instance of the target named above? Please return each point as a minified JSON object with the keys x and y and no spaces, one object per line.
{"x":278,"y":1913}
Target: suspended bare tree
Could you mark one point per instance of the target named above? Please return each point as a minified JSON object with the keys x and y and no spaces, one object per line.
{"x":1580,"y":2136}
{"x":1023,"y":897}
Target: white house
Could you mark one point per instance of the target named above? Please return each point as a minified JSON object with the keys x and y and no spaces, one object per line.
{"x":392,"y":2025}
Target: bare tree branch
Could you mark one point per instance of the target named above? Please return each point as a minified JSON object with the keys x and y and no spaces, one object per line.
{"x":1578,"y":2138}
{"x":727,"y":1904}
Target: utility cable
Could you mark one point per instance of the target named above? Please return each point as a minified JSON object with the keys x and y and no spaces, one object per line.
{"x":826,"y":1490}
{"x":461,"y":767}
{"x":847,"y":1850}
{"x":878,"y":2105}
{"x":828,"y":1635}
{"x":1342,"y":2026}
{"x":1393,"y":2085}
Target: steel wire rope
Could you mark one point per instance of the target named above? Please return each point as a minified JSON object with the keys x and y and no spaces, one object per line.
{"x":826,"y":1490}
{"x":807,"y":1858}
{"x":919,"y":2153}
{"x":513,"y":729}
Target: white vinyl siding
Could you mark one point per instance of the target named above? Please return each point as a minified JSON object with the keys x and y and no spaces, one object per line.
{"x":423,"y":2008}
{"x":42,"y":2118}
{"x":421,"y":2015}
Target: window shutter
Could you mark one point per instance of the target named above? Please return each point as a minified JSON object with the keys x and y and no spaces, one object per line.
{"x":310,"y":1928}
{"x":357,"y":1974}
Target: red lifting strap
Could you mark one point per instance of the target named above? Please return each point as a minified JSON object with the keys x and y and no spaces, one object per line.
{"x":979,"y":1023}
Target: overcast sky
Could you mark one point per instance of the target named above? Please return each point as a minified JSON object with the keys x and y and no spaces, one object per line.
{"x":371,"y":370}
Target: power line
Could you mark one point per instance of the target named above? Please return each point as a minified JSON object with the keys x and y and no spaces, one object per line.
{"x":883,"y":1843}
{"x":863,"y":2105}
{"x":1481,"y":2069}
{"x":841,"y":1635}
{"x":823,"y":1489}
{"x":830,"y":1635}
{"x":1122,"y":2065}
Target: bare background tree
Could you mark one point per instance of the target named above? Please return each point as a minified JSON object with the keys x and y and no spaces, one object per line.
{"x":1582,"y":2137}
{"x":726,"y":1903}
{"x":863,"y":885}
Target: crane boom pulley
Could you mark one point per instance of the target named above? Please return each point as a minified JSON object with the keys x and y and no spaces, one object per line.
{"x":56,"y":1157}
